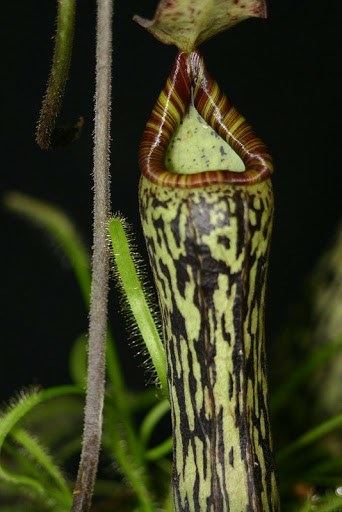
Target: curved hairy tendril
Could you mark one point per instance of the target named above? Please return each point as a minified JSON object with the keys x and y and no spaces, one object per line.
{"x":57,"y":80}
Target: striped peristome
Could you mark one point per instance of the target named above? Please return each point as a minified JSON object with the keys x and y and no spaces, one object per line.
{"x":208,"y":237}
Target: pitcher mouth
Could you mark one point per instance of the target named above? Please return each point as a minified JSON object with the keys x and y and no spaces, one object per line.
{"x":190,"y":84}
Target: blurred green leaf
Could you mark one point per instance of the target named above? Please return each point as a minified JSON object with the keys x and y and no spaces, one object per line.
{"x":78,"y":362}
{"x":9,"y":420}
{"x":152,"y":419}
{"x":59,"y":226}
{"x":143,"y":400}
{"x":35,"y":450}
{"x":330,"y":503}
{"x":158,"y":452}
{"x":63,"y":231}
{"x":316,"y":360}
{"x":120,"y":440}
{"x":311,"y":436}
{"x":327,"y":466}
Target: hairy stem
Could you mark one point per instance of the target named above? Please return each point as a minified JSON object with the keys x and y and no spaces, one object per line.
{"x":59,"y":72}
{"x":100,"y":265}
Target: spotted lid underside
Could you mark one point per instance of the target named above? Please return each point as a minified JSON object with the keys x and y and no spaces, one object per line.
{"x":187,"y":23}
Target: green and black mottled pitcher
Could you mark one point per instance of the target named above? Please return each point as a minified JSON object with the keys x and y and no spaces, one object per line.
{"x":208,"y":236}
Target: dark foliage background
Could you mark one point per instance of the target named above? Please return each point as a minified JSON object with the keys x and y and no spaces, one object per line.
{"x":283,"y":75}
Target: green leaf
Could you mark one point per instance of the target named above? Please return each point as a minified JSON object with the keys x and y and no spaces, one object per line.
{"x":158,"y":452}
{"x":311,"y":437}
{"x":59,"y":226}
{"x":326,"y":466}
{"x":78,"y":362}
{"x":317,"y":359}
{"x":69,"y":449}
{"x":63,"y":231}
{"x":33,"y":447}
{"x":186,"y":23}
{"x":126,"y":449}
{"x":152,"y":419}
{"x":9,"y":420}
{"x":130,"y":283}
{"x":140,"y":401}
{"x":330,"y":503}
{"x":7,"y":423}
{"x":321,"y":480}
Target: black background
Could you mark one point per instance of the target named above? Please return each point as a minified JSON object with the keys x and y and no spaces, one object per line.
{"x":283,"y":75}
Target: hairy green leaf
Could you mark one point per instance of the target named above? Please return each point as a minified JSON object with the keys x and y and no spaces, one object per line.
{"x":330,"y":503}
{"x":131,"y":285}
{"x":8,"y":422}
{"x":35,"y":450}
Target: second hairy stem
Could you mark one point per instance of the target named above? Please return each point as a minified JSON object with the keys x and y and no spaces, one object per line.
{"x":100,"y":265}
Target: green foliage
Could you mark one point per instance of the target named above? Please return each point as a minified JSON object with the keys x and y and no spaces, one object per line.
{"x":152,"y":419}
{"x":78,"y":362}
{"x":139,"y":480}
{"x":312,"y":436}
{"x":315,"y":361}
{"x":59,"y":227}
{"x":57,"y":494}
{"x":61,"y":230}
{"x":329,"y":503}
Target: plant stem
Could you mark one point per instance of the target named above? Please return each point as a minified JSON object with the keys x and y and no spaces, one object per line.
{"x":59,"y":72}
{"x":100,"y":265}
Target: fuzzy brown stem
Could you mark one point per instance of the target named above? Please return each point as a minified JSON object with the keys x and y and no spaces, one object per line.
{"x":100,"y":265}
{"x":59,"y":74}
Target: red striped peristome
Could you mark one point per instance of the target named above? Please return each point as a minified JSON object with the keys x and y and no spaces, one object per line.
{"x":189,"y":82}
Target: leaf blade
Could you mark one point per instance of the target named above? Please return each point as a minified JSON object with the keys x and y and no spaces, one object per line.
{"x":135,"y":295}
